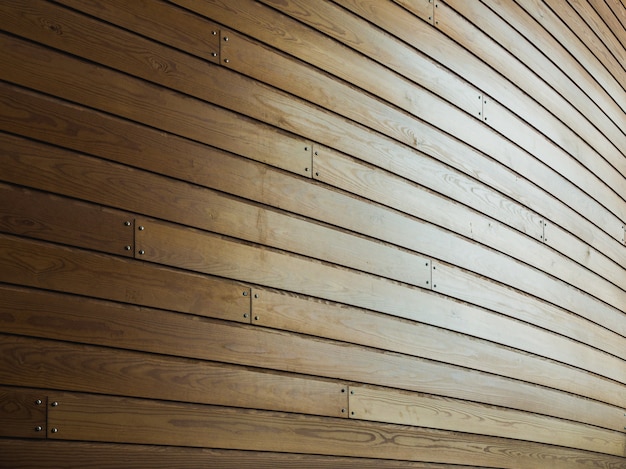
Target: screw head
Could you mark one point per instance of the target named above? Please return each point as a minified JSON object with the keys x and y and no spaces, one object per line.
{"x":128,"y":247}
{"x":54,"y":430}
{"x":141,"y":252}
{"x":127,"y":223}
{"x":141,"y":228}
{"x":38,"y":428}
{"x":54,"y":404}
{"x":38,"y":402}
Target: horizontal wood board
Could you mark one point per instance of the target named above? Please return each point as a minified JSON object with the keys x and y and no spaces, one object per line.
{"x":313,"y":233}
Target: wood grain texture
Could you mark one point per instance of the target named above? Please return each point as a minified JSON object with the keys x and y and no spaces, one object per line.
{"x":21,"y":454}
{"x":142,"y":329}
{"x":38,"y":363}
{"x":45,"y":216}
{"x":460,"y":347}
{"x":42,"y":265}
{"x":549,"y":20}
{"x":109,"y":419}
{"x":23,"y":413}
{"x":519,"y":48}
{"x":412,"y":409}
{"x":422,"y":201}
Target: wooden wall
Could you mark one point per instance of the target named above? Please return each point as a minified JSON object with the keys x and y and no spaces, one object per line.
{"x":304,"y":233}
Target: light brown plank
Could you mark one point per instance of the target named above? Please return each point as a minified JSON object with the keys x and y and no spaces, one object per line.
{"x":149,"y":330}
{"x":475,"y":290}
{"x":489,"y":143}
{"x":173,"y":245}
{"x":563,"y":37}
{"x":191,"y":205}
{"x":22,"y":413}
{"x":339,"y":322}
{"x":567,"y":175}
{"x":590,"y":49}
{"x":384,"y":405}
{"x":380,"y":187}
{"x":569,"y":108}
{"x":20,"y":454}
{"x":41,"y":265}
{"x":41,"y":363}
{"x":45,"y":216}
{"x":101,"y":418}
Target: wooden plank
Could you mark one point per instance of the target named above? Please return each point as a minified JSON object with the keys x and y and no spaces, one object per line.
{"x":370,"y":73}
{"x":602,"y":61}
{"x":249,"y":60}
{"x":385,"y":405}
{"x":494,"y":296}
{"x":69,"y":318}
{"x":564,"y":37}
{"x":41,"y":265}
{"x":191,"y":205}
{"x":563,"y":241}
{"x":153,"y":150}
{"x":204,"y":252}
{"x":173,"y":112}
{"x":308,"y":125}
{"x":347,"y":174}
{"x":356,"y":215}
{"x":423,"y":9}
{"x":619,"y":11}
{"x":183,"y":248}
{"x":513,"y":157}
{"x":45,"y":216}
{"x":519,"y":44}
{"x":454,"y":25}
{"x":49,"y":454}
{"x":40,"y":363}
{"x":153,"y":18}
{"x":373,"y":183}
{"x":599,"y":20}
{"x":101,"y":418}
{"x":23,"y":413}
{"x":357,"y":326}
{"x":450,"y":53}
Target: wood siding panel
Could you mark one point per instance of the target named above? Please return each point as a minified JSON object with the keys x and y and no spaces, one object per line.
{"x":313,"y":233}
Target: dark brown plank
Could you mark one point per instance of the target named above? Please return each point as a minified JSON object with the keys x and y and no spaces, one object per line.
{"x":20,"y":454}
{"x":42,"y":265}
{"x":176,"y":27}
{"x":48,"y":217}
{"x":23,"y":414}
{"x":41,"y":363}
